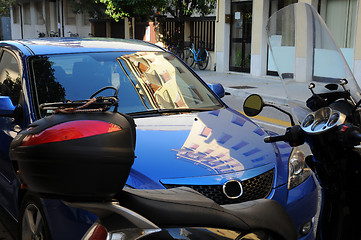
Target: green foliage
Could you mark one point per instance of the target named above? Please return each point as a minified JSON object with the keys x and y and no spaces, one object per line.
{"x":144,"y":9}
{"x":5,"y":7}
{"x":92,"y":7}
{"x":186,"y":8}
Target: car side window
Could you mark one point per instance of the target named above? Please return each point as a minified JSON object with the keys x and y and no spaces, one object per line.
{"x":10,"y":80}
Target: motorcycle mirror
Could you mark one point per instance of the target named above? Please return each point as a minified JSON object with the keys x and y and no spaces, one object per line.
{"x":253,"y":105}
{"x":311,"y":86}
{"x":331,"y":86}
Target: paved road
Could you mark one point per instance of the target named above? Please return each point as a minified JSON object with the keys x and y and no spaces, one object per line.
{"x":269,"y":118}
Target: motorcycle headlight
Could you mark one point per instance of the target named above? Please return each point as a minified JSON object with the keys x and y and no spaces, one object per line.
{"x":297,"y":168}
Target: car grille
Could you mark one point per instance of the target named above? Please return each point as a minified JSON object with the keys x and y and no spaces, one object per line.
{"x":253,"y":188}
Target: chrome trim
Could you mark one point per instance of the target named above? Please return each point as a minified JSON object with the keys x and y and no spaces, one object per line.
{"x":227,"y":184}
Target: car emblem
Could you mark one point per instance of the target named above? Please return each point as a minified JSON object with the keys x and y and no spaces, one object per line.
{"x":233,"y":189}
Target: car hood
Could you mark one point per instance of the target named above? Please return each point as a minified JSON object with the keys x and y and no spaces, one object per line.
{"x":199,"y":144}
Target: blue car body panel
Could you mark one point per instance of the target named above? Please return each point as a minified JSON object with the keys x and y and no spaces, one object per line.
{"x":199,"y":146}
{"x":193,"y":153}
{"x":219,"y":179}
{"x":204,"y":148}
{"x":70,"y":45}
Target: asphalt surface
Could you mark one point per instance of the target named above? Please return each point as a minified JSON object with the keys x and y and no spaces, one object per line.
{"x":242,"y":85}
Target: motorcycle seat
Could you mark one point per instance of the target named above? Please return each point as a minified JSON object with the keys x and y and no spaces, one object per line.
{"x":186,"y":207}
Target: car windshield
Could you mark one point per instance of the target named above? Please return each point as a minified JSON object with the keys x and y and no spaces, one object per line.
{"x":146,"y":81}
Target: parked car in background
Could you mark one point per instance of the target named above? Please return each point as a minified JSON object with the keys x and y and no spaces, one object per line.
{"x":186,"y":136}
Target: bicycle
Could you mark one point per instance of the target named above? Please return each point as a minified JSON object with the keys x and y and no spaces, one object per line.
{"x":200,"y":56}
{"x":176,"y":49}
{"x":73,"y":34}
{"x":53,"y":34}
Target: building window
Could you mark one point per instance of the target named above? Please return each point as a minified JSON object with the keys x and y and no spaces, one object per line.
{"x":340,"y":17}
{"x":16,"y":14}
{"x":86,"y":18}
{"x":70,"y":15}
{"x":39,"y":13}
{"x":274,"y":6}
{"x":27,"y":15}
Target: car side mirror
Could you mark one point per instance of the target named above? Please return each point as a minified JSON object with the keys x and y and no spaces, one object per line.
{"x":217,"y":88}
{"x":253,"y":105}
{"x":6,"y":107}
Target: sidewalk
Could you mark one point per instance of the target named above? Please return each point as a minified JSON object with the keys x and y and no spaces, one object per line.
{"x":242,"y":85}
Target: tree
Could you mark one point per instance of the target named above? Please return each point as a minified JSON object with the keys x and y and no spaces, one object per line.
{"x":46,"y":84}
{"x":144,"y":9}
{"x":186,"y":8}
{"x":5,"y":7}
{"x":118,"y":9}
{"x":95,"y":9}
{"x":180,"y":10}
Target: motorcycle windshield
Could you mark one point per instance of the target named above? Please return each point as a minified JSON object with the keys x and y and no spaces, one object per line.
{"x":305,"y":52}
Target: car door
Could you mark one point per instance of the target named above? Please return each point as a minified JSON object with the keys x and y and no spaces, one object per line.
{"x":10,"y":85}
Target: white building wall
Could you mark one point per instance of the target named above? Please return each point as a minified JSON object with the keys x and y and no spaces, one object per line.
{"x":15,"y":27}
{"x":79,"y":28}
{"x":222,"y":43}
{"x":259,"y":37}
{"x":51,"y":24}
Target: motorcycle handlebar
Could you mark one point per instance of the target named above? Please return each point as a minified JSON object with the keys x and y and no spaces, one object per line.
{"x":271,"y":139}
{"x":294,"y":136}
{"x":356,"y":135}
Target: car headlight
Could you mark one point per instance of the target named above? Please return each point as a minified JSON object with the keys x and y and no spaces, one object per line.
{"x":297,"y":168}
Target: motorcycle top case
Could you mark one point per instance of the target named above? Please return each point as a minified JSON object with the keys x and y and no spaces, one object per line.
{"x":78,"y":156}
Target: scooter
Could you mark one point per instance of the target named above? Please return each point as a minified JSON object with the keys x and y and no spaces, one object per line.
{"x":325,"y":101}
{"x":56,"y":156}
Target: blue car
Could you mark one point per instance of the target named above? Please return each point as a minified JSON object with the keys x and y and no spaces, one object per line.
{"x":186,"y":136}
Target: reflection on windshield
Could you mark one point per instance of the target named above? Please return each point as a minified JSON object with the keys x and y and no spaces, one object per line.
{"x":164,"y":82}
{"x":48,"y":89}
{"x":146,"y":80}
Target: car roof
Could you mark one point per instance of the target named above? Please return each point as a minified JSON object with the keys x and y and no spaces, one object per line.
{"x":41,"y":46}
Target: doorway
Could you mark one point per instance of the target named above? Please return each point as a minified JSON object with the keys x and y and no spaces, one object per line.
{"x":241,"y":32}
